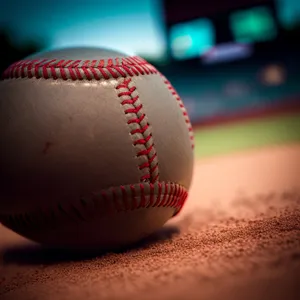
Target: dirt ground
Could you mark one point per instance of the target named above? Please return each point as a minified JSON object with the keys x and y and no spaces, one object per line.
{"x":238,"y":237}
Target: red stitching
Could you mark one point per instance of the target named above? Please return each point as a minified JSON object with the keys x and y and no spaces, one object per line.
{"x":137,"y":120}
{"x":106,"y":202}
{"x":143,"y":198}
{"x":182,"y":107}
{"x":140,"y":130}
{"x":79,"y":69}
{"x":141,"y":134}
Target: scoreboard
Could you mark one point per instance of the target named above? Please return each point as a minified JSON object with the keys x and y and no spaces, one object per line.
{"x":228,"y":58}
{"x":195,"y":29}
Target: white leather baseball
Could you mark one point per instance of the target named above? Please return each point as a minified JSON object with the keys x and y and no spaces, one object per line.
{"x":96,"y":148}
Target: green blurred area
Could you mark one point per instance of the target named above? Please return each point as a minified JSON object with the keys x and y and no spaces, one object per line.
{"x":229,"y":138}
{"x":253,"y":25}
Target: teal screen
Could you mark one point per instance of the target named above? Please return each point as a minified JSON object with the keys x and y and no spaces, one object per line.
{"x":191,"y":39}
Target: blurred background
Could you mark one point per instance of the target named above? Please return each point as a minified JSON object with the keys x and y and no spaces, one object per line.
{"x":235,"y":63}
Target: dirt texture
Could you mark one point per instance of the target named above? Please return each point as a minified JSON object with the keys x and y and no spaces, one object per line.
{"x":238,"y":237}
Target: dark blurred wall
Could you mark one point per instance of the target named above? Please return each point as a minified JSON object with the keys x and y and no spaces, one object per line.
{"x":180,"y":10}
{"x":10,"y":52}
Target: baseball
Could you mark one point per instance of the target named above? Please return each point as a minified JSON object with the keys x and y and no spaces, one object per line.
{"x":96,"y":148}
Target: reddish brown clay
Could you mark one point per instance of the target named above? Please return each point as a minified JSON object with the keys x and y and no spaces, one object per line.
{"x":237,"y":238}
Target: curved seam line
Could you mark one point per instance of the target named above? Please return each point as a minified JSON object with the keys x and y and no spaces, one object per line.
{"x":182,"y":108}
{"x":79,"y":69}
{"x":140,"y":130}
{"x":168,"y":194}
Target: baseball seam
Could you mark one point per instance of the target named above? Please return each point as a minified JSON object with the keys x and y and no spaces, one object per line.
{"x":92,"y":70}
{"x":103,"y":204}
{"x":182,"y":108}
{"x":79,"y":69}
{"x":140,"y":130}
